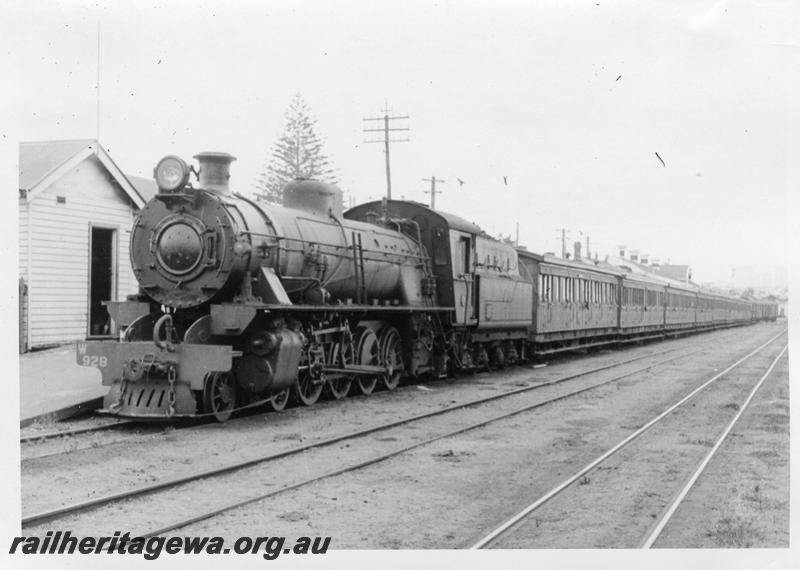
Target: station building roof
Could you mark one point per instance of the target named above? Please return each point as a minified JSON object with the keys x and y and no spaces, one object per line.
{"x":43,"y":162}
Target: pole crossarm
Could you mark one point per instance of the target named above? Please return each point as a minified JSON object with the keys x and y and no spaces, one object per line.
{"x":386,"y":117}
{"x":433,"y":191}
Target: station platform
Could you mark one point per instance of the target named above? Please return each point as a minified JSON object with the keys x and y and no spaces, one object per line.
{"x":53,"y":386}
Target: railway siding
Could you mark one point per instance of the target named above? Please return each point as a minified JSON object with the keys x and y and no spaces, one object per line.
{"x":742,"y":499}
{"x":630,"y":490}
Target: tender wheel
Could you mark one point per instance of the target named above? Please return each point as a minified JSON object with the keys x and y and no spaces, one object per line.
{"x":390,"y":346}
{"x":367,"y":353}
{"x":219,"y":395}
{"x":341,"y":355}
{"x":279,"y":400}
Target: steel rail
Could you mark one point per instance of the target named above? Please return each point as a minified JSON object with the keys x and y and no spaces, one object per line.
{"x":76,"y":431}
{"x":61,"y":512}
{"x":513,"y":521}
{"x":658,"y":528}
{"x":396,"y":452}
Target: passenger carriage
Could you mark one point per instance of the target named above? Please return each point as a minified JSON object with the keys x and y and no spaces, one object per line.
{"x":575,"y":304}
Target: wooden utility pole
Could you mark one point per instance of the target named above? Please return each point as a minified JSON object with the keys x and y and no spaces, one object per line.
{"x":433,"y":180}
{"x":386,"y":129}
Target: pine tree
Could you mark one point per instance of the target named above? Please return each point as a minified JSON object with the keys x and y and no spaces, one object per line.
{"x":296,"y":154}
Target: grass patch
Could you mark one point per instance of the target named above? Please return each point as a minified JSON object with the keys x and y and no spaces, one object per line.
{"x":736,"y":532}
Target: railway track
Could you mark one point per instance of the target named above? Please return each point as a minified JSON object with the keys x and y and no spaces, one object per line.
{"x":96,"y":502}
{"x":44,"y":436}
{"x":653,"y":534}
{"x":508,"y":526}
{"x":113,"y":425}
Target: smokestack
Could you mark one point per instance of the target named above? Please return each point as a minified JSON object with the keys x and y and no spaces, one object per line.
{"x":577,"y":250}
{"x":215,"y":171}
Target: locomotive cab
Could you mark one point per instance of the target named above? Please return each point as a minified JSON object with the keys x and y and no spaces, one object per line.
{"x":477,"y":278}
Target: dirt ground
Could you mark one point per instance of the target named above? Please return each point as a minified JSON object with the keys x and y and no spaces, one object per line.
{"x":449,"y":493}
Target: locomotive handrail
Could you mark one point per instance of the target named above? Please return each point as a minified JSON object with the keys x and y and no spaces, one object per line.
{"x":346,"y":248}
{"x":163,"y":345}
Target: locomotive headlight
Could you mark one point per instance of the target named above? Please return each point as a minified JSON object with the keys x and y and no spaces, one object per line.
{"x":171,"y":173}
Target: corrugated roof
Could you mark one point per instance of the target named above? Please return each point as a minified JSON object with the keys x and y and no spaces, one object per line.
{"x":146,"y":187}
{"x":38,"y":159}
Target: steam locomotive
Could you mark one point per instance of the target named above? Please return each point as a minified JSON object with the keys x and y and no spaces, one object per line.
{"x":243,"y":303}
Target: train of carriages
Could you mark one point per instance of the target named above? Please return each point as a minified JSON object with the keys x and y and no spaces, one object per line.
{"x":242,"y":303}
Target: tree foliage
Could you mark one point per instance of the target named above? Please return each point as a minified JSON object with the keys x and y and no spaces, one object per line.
{"x":298,"y":153}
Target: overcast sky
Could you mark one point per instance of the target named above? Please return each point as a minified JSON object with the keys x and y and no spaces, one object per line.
{"x":568,"y":100}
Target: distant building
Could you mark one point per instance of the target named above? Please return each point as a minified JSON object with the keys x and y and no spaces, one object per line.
{"x":682,"y":273}
{"x":762,"y":276}
{"x":76,"y":208}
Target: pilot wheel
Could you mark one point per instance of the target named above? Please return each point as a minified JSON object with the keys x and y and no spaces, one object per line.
{"x":219,"y":395}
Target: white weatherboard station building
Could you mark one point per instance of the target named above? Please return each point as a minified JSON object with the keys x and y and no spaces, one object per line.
{"x":76,"y":208}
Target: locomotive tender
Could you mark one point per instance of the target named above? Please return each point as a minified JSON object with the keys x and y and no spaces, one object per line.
{"x":242,"y":302}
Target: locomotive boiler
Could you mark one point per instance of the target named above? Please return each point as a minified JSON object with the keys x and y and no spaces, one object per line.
{"x":242,"y":302}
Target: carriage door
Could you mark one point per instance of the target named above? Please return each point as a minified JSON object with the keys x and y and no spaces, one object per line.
{"x":464,"y":294}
